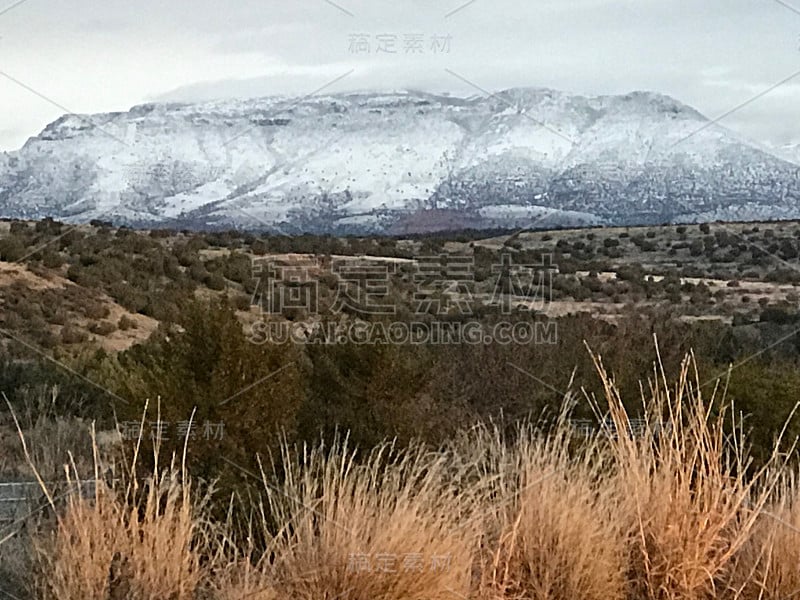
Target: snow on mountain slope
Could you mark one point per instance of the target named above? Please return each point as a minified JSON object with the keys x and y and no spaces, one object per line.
{"x":790,"y":152}
{"x":397,"y":162}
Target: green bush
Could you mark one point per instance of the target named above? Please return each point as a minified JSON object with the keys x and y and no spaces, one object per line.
{"x":212,"y":367}
{"x":52,"y":260}
{"x":102,"y":328}
{"x":125,"y":323}
{"x":73,"y":335}
{"x":765,"y":392}
{"x":215,"y":281}
{"x":95,"y":310}
{"x":11,"y":249}
{"x":776,"y":315}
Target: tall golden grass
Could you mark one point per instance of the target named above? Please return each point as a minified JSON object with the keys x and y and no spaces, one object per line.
{"x":685,"y":494}
{"x":392,"y":526}
{"x":140,"y":540}
{"x":546,"y":516}
{"x":674,"y":512}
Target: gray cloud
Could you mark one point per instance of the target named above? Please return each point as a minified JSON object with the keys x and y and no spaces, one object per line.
{"x":97,"y":56}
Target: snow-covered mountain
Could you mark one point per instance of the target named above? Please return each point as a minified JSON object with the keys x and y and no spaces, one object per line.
{"x":398,"y":163}
{"x":790,"y":152}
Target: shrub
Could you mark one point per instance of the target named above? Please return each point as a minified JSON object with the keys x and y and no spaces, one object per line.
{"x":633,"y":272}
{"x":73,"y":335}
{"x":125,"y":323}
{"x":83,"y":277}
{"x":12,"y":320}
{"x":776,"y":315}
{"x":242,"y":303}
{"x":95,"y":310}
{"x":103,"y":328}
{"x":215,"y":281}
{"x":213,"y":367}
{"x":48,"y":226}
{"x":238,"y":267}
{"x":198,"y":272}
{"x":259,"y":247}
{"x":18,"y":228}
{"x":129,"y":297}
{"x":46,"y":340}
{"x":52,"y":260}
{"x":11,"y":249}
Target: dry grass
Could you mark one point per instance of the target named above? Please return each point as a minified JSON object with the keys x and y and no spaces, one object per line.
{"x":52,"y":439}
{"x":768,"y":567}
{"x":389,"y":527}
{"x":110,"y":547}
{"x":549,"y":526}
{"x":667,"y":515}
{"x":135,"y":541}
{"x":684,"y":492}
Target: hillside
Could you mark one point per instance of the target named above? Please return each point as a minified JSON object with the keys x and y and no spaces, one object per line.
{"x":96,"y":286}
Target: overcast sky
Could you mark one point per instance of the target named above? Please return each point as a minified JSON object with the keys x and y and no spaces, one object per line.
{"x":94,"y":56}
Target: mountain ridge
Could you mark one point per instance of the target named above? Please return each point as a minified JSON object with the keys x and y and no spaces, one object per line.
{"x":389,"y":162}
